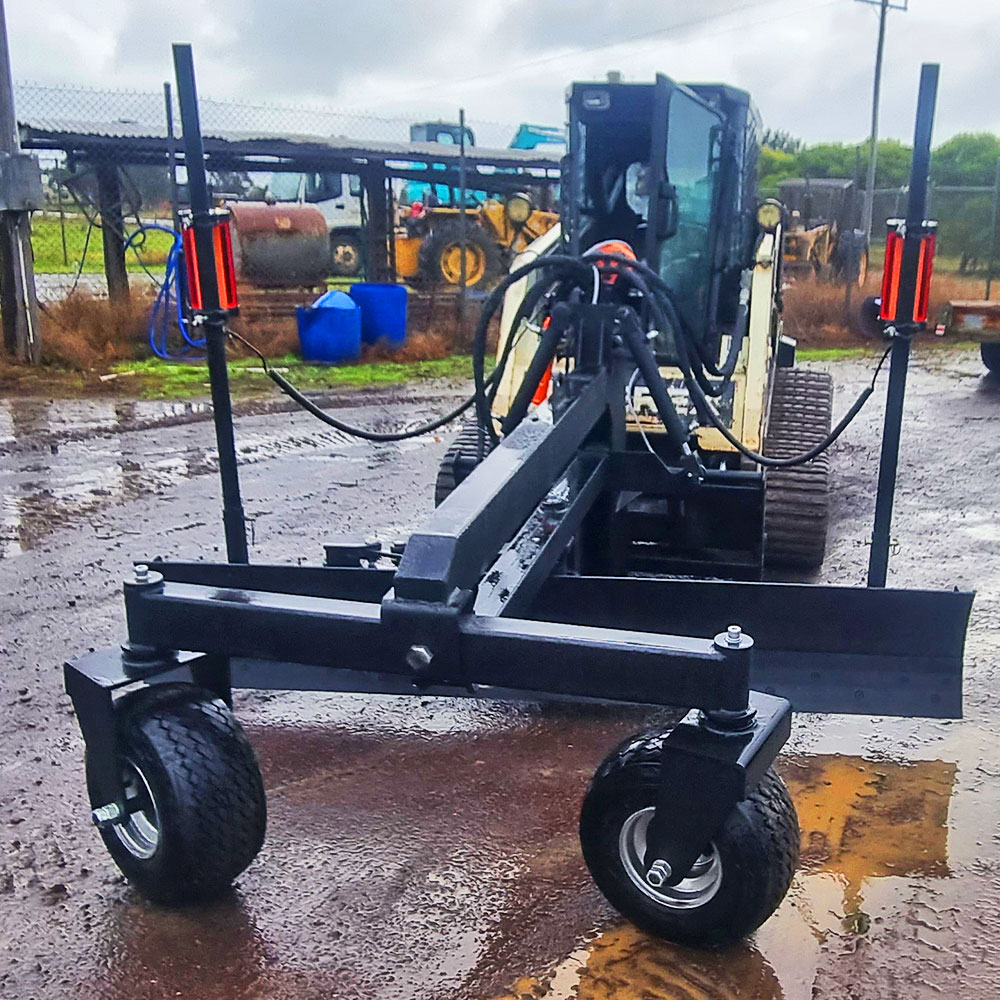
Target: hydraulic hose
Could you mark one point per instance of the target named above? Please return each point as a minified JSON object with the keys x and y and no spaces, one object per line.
{"x":544,"y":355}
{"x":662,"y":296}
{"x":360,"y":432}
{"x":169,"y":292}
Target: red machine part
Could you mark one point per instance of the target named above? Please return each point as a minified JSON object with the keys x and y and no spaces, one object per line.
{"x":225,"y":269}
{"x":892,"y":272}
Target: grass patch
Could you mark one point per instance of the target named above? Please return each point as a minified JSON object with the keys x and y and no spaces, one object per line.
{"x":47,"y":232}
{"x":152,"y":379}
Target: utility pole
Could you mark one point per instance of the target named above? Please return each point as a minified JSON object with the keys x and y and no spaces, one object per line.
{"x":884,"y":7}
{"x":20,"y":192}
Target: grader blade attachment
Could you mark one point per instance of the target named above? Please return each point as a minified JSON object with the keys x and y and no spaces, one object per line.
{"x":850,"y":650}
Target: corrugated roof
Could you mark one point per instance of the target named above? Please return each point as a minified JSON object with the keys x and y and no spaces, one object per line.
{"x":79,"y":132}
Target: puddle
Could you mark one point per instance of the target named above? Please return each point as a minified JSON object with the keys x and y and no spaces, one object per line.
{"x":70,"y":459}
{"x":864,"y":825}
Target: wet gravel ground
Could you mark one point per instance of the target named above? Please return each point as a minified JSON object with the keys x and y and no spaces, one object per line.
{"x":423,"y":848}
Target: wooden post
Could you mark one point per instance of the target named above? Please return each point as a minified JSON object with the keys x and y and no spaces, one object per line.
{"x":379,"y":229}
{"x":109,"y":203}
{"x":18,"y":306}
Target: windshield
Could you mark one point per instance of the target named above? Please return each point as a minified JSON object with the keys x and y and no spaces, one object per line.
{"x":693,"y":149}
{"x":284,"y":187}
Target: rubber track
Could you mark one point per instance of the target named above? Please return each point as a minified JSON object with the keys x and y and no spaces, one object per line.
{"x":797,"y":499}
{"x":458,"y":462}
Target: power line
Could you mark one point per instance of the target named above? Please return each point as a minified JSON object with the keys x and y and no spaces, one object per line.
{"x":869,"y":207}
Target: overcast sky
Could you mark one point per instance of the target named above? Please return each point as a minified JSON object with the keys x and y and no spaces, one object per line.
{"x":808,"y":63}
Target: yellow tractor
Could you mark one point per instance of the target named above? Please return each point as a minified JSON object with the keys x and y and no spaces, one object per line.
{"x":820,"y":234}
{"x":428,"y":240}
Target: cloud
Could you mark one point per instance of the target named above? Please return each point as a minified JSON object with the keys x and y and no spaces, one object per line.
{"x":808,"y":63}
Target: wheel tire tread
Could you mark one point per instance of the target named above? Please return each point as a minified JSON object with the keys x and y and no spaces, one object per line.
{"x":207,"y":778}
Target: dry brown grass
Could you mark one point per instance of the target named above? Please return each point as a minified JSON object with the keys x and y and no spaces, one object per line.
{"x":82,"y":332}
{"x":815,"y":313}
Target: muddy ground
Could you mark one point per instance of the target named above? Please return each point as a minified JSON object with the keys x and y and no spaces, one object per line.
{"x":421,"y":848}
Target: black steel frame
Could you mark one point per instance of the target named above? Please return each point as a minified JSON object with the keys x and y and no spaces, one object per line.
{"x":487,"y":601}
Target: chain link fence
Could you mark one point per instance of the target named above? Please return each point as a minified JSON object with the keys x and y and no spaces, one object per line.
{"x":98,"y":191}
{"x":106,"y":178}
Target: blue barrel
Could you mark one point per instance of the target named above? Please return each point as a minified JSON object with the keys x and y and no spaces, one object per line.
{"x":330,"y":332}
{"x":383,"y":312}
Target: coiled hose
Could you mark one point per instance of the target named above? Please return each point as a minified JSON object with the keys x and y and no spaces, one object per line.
{"x":170,"y":293}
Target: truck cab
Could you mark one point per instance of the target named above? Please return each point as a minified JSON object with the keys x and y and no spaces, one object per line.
{"x":338,"y":197}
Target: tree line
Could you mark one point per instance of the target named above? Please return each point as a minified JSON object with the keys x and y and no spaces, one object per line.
{"x":966,"y":160}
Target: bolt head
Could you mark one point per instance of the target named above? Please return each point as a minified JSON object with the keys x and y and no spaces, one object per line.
{"x":106,"y":815}
{"x":419,"y":657}
{"x":141,"y":573}
{"x":659,"y":872}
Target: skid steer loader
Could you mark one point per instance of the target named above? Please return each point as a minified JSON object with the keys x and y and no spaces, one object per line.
{"x":692,"y":214}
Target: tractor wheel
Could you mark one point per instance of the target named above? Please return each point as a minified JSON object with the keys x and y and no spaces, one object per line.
{"x":797,"y":498}
{"x":345,"y":251}
{"x":197,"y":809}
{"x":736,"y":884}
{"x":440,"y":256}
{"x":459,"y":460}
{"x":990,"y":353}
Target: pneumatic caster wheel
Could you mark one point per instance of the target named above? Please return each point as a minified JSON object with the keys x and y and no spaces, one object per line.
{"x":196,"y":808}
{"x":734,"y":886}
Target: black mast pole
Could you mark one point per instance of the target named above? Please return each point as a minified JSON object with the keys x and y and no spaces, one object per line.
{"x":214,"y":318}
{"x":901,"y":328}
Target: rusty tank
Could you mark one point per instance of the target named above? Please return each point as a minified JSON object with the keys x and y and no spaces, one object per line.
{"x":279,"y":246}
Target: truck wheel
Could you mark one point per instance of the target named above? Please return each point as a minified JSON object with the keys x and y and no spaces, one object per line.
{"x":440,"y":256}
{"x":197,"y":808}
{"x":345,"y":251}
{"x":459,"y":460}
{"x":990,"y":353}
{"x":736,"y":884}
{"x":797,"y":498}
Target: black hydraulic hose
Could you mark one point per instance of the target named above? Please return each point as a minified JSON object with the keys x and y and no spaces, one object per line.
{"x":645,"y":361}
{"x":360,"y":432}
{"x":806,"y":456}
{"x":663,"y":296}
{"x":544,"y":355}
{"x":527,"y":307}
{"x":566,"y":264}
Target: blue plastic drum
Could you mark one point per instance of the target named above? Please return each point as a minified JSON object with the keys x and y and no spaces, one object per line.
{"x":383,"y":312}
{"x":330,"y":330}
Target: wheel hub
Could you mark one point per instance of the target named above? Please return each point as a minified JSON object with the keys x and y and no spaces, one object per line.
{"x":451,"y":263}
{"x":139,"y":830}
{"x":694,"y":890}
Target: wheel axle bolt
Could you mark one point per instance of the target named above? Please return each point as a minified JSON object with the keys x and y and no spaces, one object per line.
{"x":659,"y":872}
{"x":141,"y":573}
{"x":418,"y":658}
{"x":104,"y":816}
{"x":734,"y":635}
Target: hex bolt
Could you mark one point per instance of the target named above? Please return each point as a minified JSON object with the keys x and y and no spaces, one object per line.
{"x":418,"y":658}
{"x":141,"y":573}
{"x":104,"y":816}
{"x":659,"y":872}
{"x":734,"y":635}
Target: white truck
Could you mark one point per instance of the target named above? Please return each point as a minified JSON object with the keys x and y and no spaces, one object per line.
{"x":338,"y":197}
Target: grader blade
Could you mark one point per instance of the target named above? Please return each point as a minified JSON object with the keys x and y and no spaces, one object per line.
{"x":850,"y":650}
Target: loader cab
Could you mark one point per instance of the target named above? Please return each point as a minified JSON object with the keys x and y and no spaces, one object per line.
{"x":664,"y":167}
